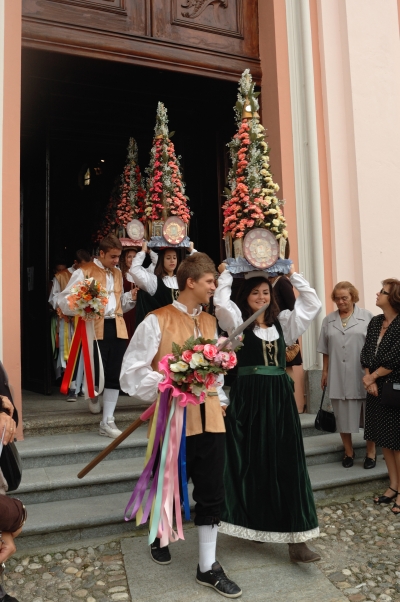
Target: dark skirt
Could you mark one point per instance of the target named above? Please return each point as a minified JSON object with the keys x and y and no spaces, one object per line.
{"x":382,"y":424}
{"x":268,"y":494}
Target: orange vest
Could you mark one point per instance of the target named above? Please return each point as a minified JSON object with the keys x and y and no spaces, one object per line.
{"x":91,"y":270}
{"x":177,"y":327}
{"x":63,"y":278}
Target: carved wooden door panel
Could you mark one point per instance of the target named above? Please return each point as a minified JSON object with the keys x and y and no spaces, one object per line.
{"x":217,"y":38}
{"x":229,"y":26}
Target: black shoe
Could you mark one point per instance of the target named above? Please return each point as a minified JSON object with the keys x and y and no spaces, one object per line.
{"x":159,"y":555}
{"x":217,"y":579}
{"x":369,"y":462}
{"x":347,"y":461}
{"x":385,"y":499}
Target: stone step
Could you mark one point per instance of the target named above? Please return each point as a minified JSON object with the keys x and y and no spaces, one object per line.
{"x":77,"y":448}
{"x":329,"y":448}
{"x":102,"y":515}
{"x":57,"y":483}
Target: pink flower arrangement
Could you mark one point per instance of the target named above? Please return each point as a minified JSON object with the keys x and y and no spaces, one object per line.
{"x":165,"y":188}
{"x":196,"y":366}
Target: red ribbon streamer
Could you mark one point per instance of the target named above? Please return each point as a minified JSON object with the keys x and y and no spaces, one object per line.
{"x":80,"y":337}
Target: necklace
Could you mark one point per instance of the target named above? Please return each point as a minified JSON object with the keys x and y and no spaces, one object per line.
{"x":346,"y":319}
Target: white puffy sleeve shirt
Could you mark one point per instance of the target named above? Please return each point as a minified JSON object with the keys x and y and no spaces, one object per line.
{"x":137,"y":377}
{"x":294,"y":323}
{"x":127,"y":302}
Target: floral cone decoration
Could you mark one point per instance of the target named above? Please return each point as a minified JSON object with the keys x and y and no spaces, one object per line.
{"x":131,"y":203}
{"x":251,"y":196}
{"x":165,"y":194}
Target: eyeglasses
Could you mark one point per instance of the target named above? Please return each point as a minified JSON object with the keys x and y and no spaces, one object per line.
{"x":383,"y":292}
{"x":338,"y":299}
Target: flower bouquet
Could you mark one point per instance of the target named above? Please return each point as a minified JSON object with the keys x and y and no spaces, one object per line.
{"x":196,"y":365}
{"x":88,"y":299}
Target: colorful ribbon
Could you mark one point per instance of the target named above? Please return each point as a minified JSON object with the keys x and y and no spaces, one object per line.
{"x":83,"y":337}
{"x":168,"y":434}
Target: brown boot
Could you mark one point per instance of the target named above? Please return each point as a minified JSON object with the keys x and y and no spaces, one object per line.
{"x":299,"y":552}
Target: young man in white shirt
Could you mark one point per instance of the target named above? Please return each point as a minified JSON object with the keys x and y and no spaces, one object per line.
{"x":205,"y":428}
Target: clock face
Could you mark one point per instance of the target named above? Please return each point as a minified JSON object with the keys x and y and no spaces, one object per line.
{"x":260,"y":248}
{"x":135,"y":230}
{"x":174,"y":230}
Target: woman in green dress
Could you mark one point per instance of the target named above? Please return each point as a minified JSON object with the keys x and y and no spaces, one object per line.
{"x":268,"y":494}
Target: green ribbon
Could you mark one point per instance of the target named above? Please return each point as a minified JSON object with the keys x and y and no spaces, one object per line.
{"x":262,"y":370}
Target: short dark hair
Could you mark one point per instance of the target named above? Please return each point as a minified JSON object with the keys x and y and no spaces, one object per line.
{"x":271,"y":313}
{"x":110,"y":242}
{"x":82,"y":255}
{"x":194,"y":266}
{"x":394,"y":294}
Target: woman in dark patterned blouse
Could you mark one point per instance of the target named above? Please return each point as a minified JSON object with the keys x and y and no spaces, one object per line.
{"x":380,"y":357}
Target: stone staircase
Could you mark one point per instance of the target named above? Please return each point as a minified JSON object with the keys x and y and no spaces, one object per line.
{"x":62,"y":507}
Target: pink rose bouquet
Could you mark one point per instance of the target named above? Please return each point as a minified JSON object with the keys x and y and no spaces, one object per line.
{"x":196,"y":366}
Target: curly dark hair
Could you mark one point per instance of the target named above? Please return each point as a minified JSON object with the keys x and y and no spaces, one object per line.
{"x":270,"y":315}
{"x":394,"y":295}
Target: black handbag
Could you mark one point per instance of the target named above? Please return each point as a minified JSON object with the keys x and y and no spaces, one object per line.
{"x":391,"y":395}
{"x":325,"y":421}
{"x":11,"y":466}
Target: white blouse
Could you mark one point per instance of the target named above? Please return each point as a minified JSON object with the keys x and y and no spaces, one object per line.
{"x":137,"y":377}
{"x":294,"y":323}
{"x":145,"y":279}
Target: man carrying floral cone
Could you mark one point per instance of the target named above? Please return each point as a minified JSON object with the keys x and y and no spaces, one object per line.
{"x":205,"y":429}
{"x":110,"y":330}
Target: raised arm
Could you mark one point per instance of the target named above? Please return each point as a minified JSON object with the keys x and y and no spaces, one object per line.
{"x":306,"y":308}
{"x":226,"y":311}
{"x":137,"y":377}
{"x":143,"y":278}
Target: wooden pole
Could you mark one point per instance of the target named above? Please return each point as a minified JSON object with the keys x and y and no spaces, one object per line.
{"x":128,"y":431}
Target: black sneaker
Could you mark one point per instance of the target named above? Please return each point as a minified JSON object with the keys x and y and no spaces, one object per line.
{"x":159,"y":555}
{"x":217,"y":579}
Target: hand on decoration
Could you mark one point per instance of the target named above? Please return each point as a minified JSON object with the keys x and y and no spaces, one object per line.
{"x":324,"y":380}
{"x":223,"y":410}
{"x":221,"y":267}
{"x":144,"y":246}
{"x":7,"y":405}
{"x":134,"y":293}
{"x":292,"y":270}
{"x":373,"y":389}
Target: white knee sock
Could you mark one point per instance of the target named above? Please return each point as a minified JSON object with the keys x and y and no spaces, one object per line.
{"x":207,"y":546}
{"x":110,"y":398}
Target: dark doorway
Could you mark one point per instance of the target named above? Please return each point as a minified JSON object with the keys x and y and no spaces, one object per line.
{"x":79,"y":113}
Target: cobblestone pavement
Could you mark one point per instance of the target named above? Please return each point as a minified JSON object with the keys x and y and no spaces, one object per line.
{"x":359,"y":545}
{"x":89,"y":574}
{"x":360,"y":550}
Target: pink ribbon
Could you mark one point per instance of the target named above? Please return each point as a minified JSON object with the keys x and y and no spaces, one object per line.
{"x":168,"y":383}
